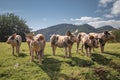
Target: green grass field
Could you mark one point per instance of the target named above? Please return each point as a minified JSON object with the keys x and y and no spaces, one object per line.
{"x":101,"y":66}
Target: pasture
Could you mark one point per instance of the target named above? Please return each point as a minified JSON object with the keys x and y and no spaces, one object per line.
{"x":101,"y":66}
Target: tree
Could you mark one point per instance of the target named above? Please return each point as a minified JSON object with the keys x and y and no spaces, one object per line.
{"x":10,"y":23}
{"x":116,"y":32}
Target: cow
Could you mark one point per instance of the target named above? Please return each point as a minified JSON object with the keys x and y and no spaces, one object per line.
{"x":79,"y":36}
{"x":103,"y":38}
{"x":29,"y":37}
{"x":37,"y":44}
{"x":88,"y":42}
{"x":95,"y":36}
{"x":15,"y":41}
{"x":63,"y":41}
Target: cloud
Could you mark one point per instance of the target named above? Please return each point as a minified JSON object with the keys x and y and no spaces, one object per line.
{"x":115,"y":10}
{"x":86,"y":19}
{"x":104,"y":3}
{"x":109,"y":11}
{"x":96,"y":21}
{"x":114,"y":23}
{"x":108,"y":16}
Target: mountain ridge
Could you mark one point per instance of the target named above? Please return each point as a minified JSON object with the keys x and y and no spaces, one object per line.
{"x":63,"y":28}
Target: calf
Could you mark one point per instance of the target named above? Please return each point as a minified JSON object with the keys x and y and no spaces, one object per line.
{"x":63,"y":42}
{"x":37,"y":45}
{"x":88,"y":42}
{"x":15,"y":41}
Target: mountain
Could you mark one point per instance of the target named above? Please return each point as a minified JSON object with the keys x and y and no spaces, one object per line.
{"x":104,"y":28}
{"x":63,"y":28}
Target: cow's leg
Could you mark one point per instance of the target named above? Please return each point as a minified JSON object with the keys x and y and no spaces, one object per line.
{"x":13,"y":50}
{"x":18,"y":49}
{"x":32,"y":54}
{"x":65,"y":51}
{"x":29,"y":47}
{"x":69,"y":48}
{"x":102,"y":48}
{"x":93,"y":50}
{"x":43,"y":49}
{"x":77,"y":47}
{"x":86,"y":54}
{"x":39,"y":56}
{"x":89,"y":52}
{"x":82,"y":48}
{"x":53,"y":49}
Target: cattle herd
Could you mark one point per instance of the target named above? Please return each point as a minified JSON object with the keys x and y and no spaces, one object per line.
{"x":36,"y":43}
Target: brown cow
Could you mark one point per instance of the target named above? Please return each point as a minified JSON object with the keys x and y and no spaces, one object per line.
{"x":103,"y":38}
{"x":79,"y":36}
{"x":88,"y":42}
{"x":15,"y":41}
{"x":37,"y":44}
{"x":63,"y":42}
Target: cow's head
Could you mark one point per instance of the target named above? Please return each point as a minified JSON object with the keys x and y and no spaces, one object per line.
{"x":94,"y":41}
{"x":108,"y":35}
{"x":11,"y":38}
{"x":71,"y":36}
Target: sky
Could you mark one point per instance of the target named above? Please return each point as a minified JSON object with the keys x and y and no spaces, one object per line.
{"x":40,"y":14}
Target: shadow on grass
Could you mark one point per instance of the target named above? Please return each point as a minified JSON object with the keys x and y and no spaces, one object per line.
{"x":113,"y":54}
{"x":52,"y":66}
{"x":80,"y":62}
{"x":22,"y":55}
{"x":100,"y":59}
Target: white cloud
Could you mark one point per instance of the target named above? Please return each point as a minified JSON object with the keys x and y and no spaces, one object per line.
{"x":115,"y":10}
{"x":85,"y":19}
{"x":108,"y":16}
{"x":114,"y":23}
{"x":110,"y":12}
{"x":104,"y":3}
{"x":96,"y":21}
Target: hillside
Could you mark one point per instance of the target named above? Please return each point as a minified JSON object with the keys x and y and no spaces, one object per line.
{"x":104,"y":28}
{"x":63,"y":28}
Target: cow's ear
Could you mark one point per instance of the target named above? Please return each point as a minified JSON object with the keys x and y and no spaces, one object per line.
{"x":91,"y":37}
{"x":68,"y":33}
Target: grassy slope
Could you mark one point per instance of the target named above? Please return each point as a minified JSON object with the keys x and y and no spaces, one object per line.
{"x":104,"y":66}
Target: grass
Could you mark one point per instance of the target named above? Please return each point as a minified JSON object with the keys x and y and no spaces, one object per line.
{"x":101,"y":66}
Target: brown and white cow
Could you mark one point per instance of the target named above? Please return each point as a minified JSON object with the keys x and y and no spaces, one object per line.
{"x":103,"y":38}
{"x":95,"y":36}
{"x":88,"y":42}
{"x":37,"y":44}
{"x":79,"y":37}
{"x":15,"y":41}
{"x":65,"y":41}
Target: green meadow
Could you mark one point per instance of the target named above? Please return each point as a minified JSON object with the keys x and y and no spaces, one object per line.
{"x":101,"y":66}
